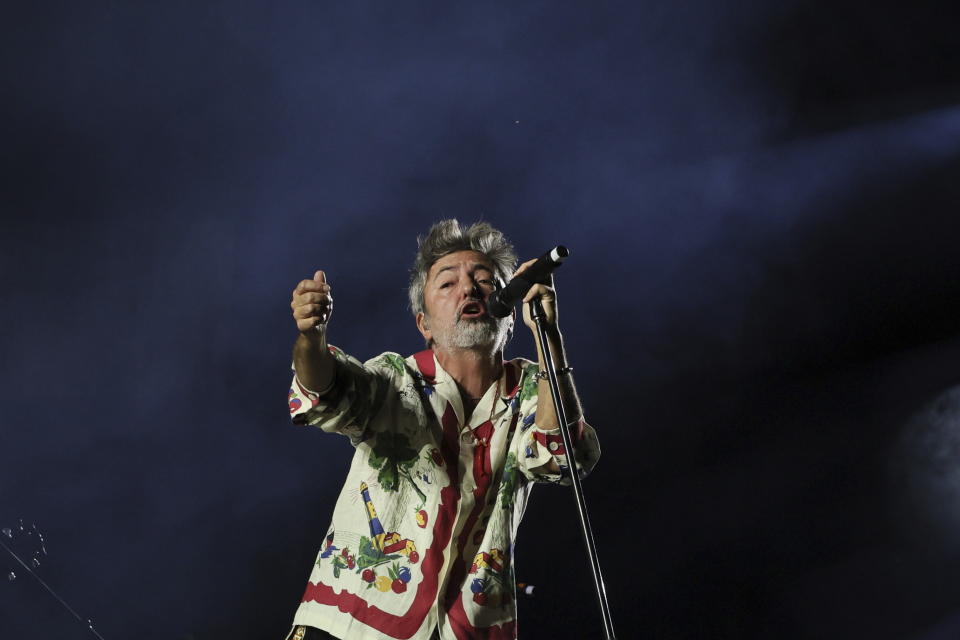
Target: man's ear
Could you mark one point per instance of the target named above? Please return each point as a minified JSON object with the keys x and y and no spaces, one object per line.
{"x":424,"y":327}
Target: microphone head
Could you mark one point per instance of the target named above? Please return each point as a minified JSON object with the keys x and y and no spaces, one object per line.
{"x":500,"y":303}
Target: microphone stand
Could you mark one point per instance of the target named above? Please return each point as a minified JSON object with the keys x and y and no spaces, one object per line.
{"x":538,"y":315}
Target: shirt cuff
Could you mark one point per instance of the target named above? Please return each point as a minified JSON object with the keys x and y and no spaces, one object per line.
{"x":552,"y":440}
{"x":300,"y":399}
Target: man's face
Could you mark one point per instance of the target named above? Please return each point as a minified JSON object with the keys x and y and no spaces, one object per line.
{"x":455,"y":303}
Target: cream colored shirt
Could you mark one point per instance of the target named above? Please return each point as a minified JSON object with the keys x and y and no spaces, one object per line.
{"x":422,"y":533}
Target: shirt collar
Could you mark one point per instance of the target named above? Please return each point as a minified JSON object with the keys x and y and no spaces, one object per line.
{"x":436,"y":376}
{"x":428,"y":366}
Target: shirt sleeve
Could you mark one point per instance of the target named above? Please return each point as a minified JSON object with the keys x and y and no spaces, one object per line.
{"x":358,"y":394}
{"x":539,"y":446}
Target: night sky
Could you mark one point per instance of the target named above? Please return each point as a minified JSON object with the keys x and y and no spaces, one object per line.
{"x":762,"y":303}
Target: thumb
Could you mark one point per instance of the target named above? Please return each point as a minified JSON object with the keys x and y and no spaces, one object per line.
{"x":320,"y":276}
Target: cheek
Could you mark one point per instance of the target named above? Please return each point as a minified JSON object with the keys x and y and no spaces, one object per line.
{"x":440,"y":301}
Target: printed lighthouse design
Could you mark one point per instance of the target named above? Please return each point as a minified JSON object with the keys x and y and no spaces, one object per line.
{"x":386,"y":543}
{"x":376,"y":529}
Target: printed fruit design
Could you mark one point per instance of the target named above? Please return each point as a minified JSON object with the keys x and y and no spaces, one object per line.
{"x":396,"y":581}
{"x":422,"y":518}
{"x":414,"y":557}
{"x":294,"y":401}
{"x":345,"y":559}
{"x":477,"y":587}
{"x":400,"y":576}
{"x":489,"y":590}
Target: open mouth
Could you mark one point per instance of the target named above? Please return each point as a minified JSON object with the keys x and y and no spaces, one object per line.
{"x":472,"y":309}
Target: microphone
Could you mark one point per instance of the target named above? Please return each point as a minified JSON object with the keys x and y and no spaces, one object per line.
{"x":501,"y":302}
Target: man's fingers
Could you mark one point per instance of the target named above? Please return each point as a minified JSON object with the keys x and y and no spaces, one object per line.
{"x":305,"y":285}
{"x":542,"y":291}
{"x":308,"y":310}
{"x":312,"y":308}
{"x":302,"y":299}
{"x":311,"y":297}
{"x":312,"y":303}
{"x":311,"y":285}
{"x":523,"y":267}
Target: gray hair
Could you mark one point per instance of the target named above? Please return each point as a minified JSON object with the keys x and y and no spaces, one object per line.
{"x":446,"y":237}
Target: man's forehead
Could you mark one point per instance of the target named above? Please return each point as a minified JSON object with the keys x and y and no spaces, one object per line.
{"x":458,"y":259}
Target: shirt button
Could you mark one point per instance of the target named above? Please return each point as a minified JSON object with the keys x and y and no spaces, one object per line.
{"x":553,"y":446}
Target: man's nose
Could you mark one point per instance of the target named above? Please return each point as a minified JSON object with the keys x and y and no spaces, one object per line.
{"x":472,"y":289}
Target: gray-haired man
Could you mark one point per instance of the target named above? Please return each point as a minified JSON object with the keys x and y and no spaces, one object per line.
{"x":448,"y":443}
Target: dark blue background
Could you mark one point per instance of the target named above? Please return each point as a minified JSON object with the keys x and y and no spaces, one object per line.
{"x":761,"y":200}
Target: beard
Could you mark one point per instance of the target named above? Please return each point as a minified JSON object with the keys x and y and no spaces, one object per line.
{"x":475,"y":333}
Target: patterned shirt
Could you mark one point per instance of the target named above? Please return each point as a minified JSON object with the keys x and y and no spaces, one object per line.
{"x":422,"y":533}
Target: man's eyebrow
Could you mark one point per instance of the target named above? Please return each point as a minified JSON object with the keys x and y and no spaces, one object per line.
{"x":442,"y":269}
{"x":474,"y":267}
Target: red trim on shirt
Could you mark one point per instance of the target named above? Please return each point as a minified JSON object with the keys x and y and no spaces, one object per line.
{"x":482,"y":469}
{"x":546,"y":441}
{"x":405,"y":625}
{"x":314,"y":399}
{"x":575,"y":435}
{"x":456,"y":614}
{"x":427,"y":365}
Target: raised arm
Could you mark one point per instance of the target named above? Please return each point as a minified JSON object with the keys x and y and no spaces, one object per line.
{"x":312,"y":306}
{"x":546,"y":414}
{"x":541,"y":454}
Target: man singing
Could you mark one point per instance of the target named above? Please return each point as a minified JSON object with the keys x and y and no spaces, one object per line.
{"x":448,"y":443}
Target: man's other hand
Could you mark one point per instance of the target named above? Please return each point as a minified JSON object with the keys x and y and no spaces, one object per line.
{"x":312,"y":303}
{"x":548,"y":298}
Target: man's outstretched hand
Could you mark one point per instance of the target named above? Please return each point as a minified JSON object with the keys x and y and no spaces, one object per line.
{"x":312,"y":303}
